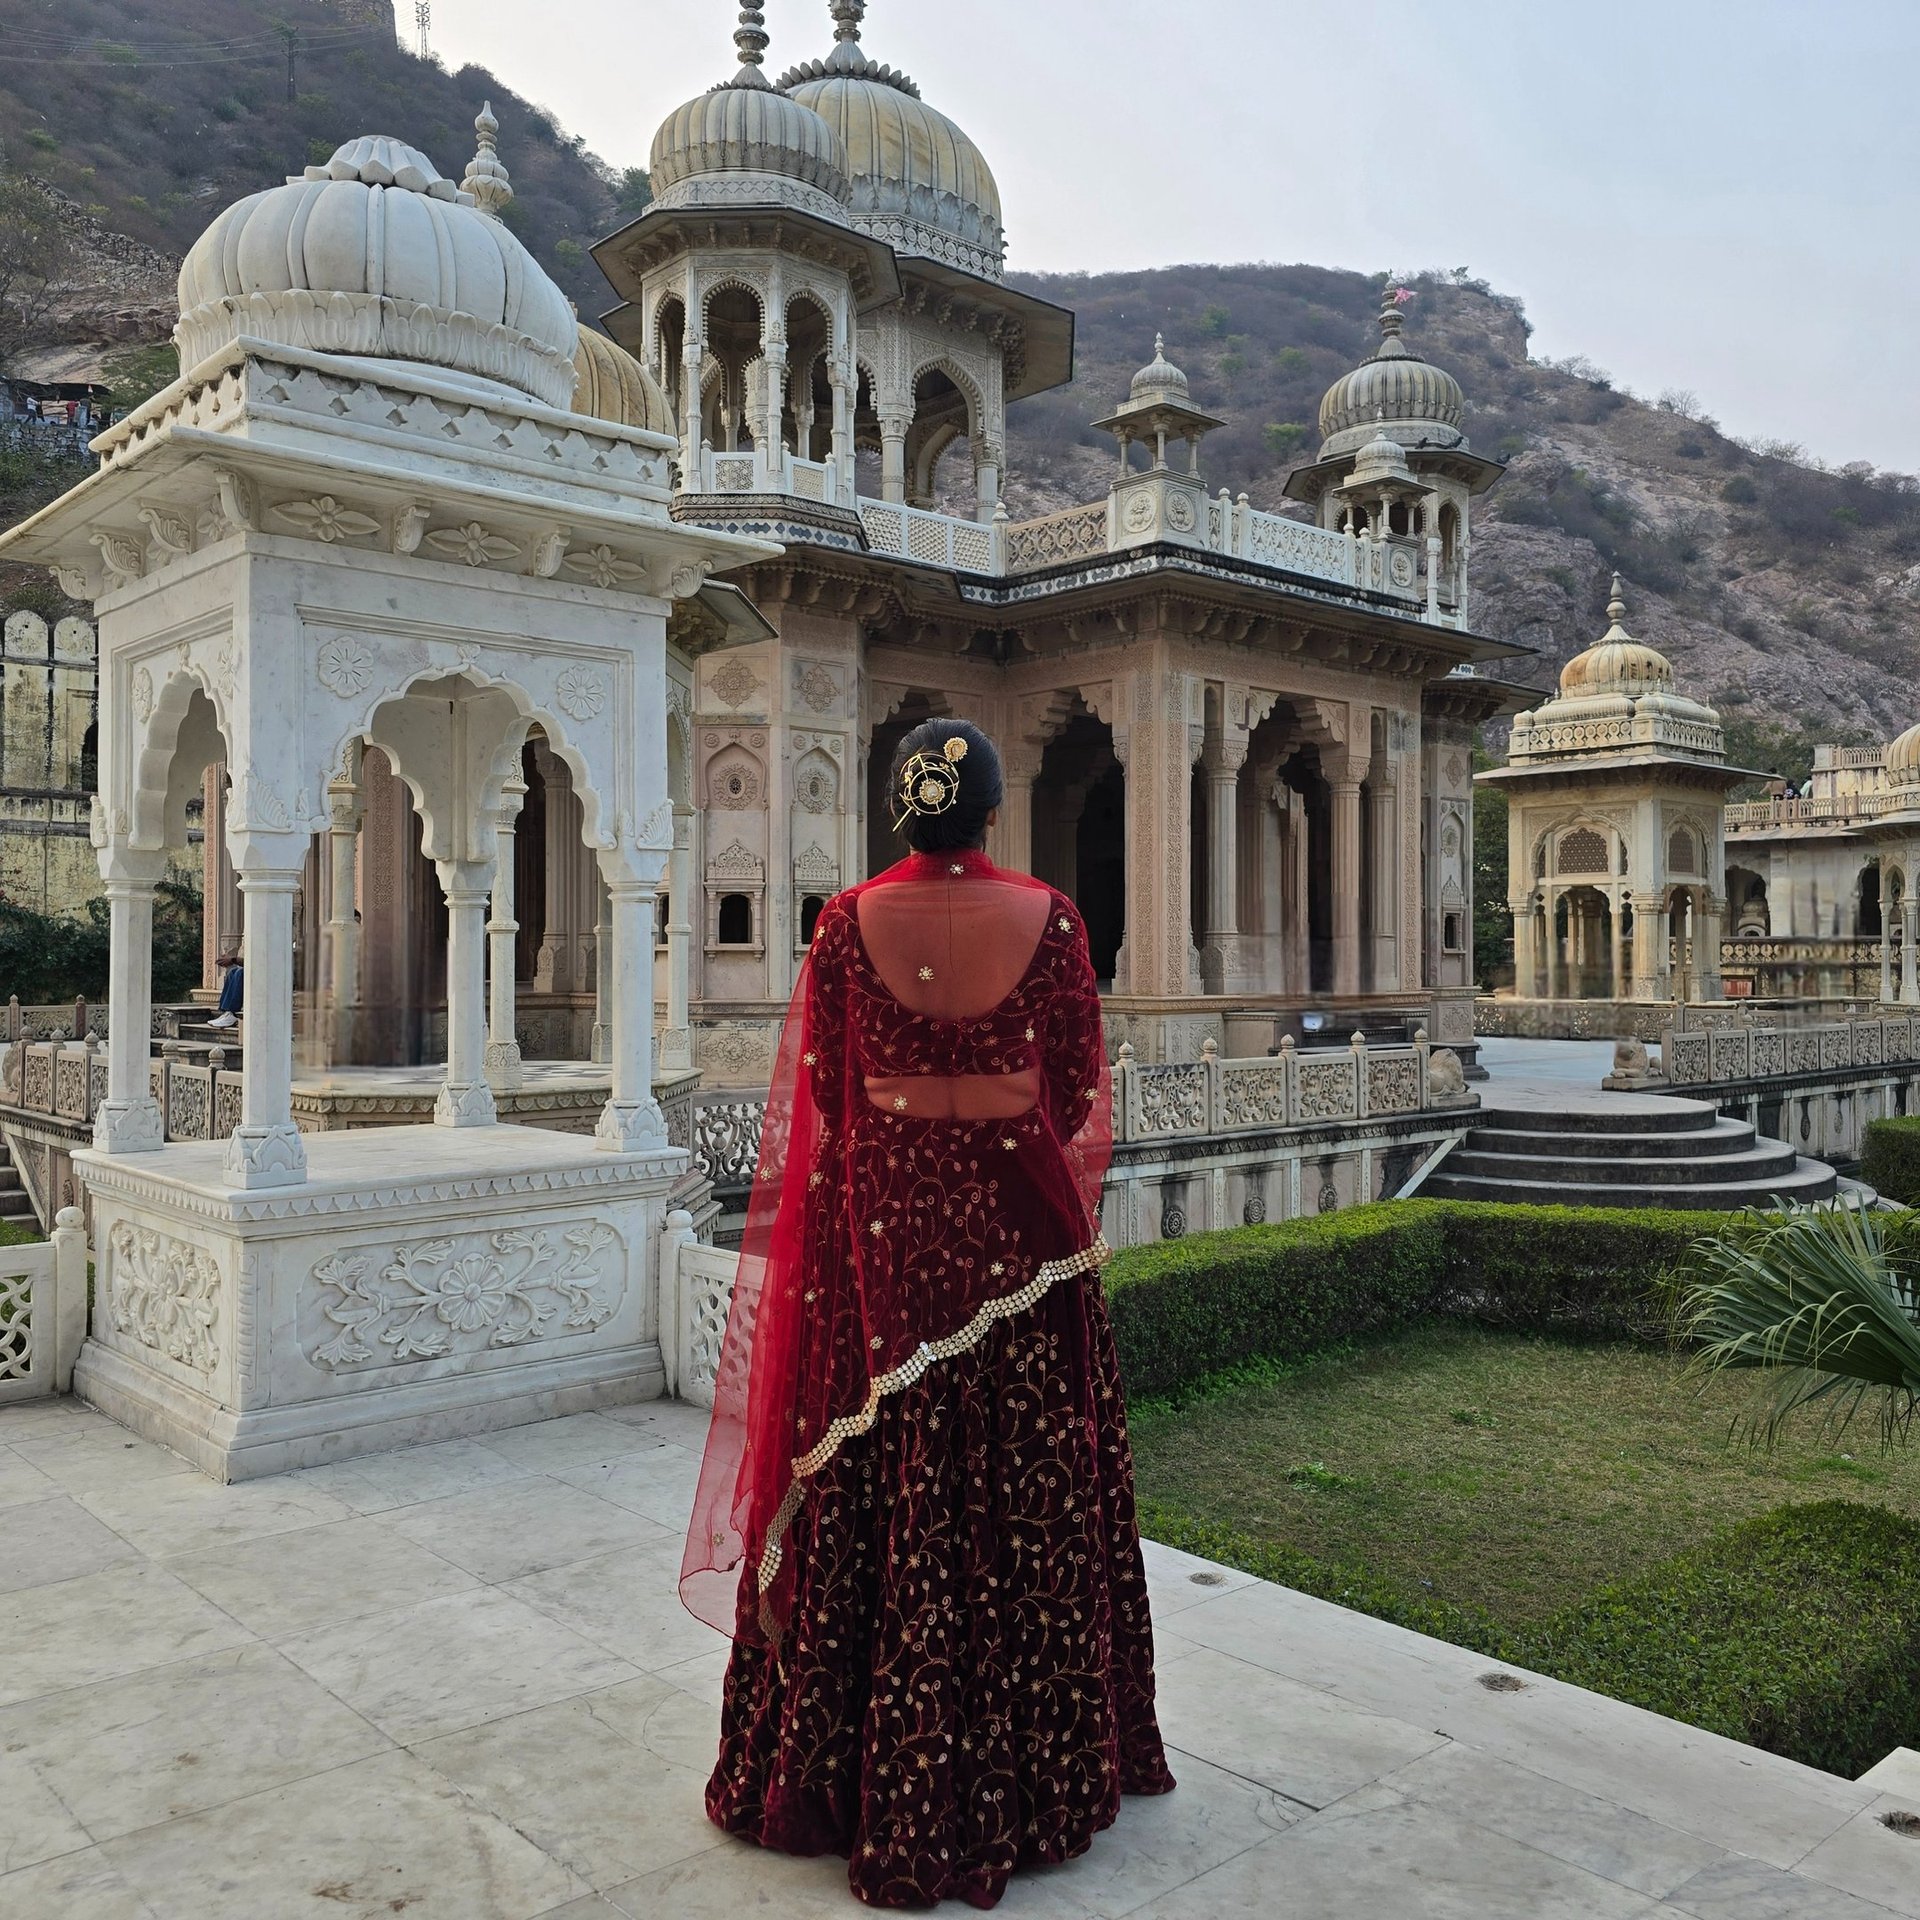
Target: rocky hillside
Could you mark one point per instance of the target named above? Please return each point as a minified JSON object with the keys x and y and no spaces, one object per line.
{"x":1782,"y":592}
{"x":150,"y":115}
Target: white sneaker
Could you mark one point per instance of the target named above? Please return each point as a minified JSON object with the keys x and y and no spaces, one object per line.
{"x":223,"y":1020}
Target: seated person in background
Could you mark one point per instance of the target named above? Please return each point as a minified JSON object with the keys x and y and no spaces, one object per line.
{"x":233,"y":992}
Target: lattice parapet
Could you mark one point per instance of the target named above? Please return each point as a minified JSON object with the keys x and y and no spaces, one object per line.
{"x":1746,"y":1052}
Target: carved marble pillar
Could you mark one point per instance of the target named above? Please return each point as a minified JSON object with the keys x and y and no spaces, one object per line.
{"x":600,"y":1047}
{"x":560,"y":965}
{"x":986,"y":481}
{"x":1010,"y":838}
{"x":129,"y":1119}
{"x":691,"y":356}
{"x":465,"y":1098}
{"x":1886,"y":959}
{"x":676,"y":1041}
{"x":769,"y":444}
{"x":1222,"y":760}
{"x":506,"y":1073}
{"x":1909,"y":960}
{"x":1613,"y":945}
{"x":1526,"y":960}
{"x":1550,"y":899}
{"x":631,"y":1121}
{"x":265,"y":1149}
{"x":893,"y":457}
{"x":1706,"y":947}
{"x":1299,"y":940}
{"x":1346,"y":881}
{"x":843,"y":380}
{"x":1383,"y":882}
{"x":342,"y":980}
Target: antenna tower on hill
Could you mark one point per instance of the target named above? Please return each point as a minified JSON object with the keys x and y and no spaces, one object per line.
{"x":423,"y":19}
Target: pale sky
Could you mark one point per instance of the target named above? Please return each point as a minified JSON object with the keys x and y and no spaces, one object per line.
{"x":1695,"y":194}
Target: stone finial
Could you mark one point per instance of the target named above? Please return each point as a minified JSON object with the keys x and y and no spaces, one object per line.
{"x":486,"y":178}
{"x":750,"y":36}
{"x":1616,"y":604}
{"x":1392,"y":299}
{"x":846,"y":18}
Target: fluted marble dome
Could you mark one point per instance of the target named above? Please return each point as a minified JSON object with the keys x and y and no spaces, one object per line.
{"x":1903,"y":759}
{"x":1396,"y":393}
{"x":1160,"y":380}
{"x":745,"y":142}
{"x":615,"y":386}
{"x":376,"y":253}
{"x":1616,"y":662}
{"x":915,"y":180}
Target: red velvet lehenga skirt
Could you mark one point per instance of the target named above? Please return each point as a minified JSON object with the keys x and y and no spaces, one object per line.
{"x":966,"y":1682}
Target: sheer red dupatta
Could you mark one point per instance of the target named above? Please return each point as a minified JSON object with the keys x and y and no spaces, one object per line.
{"x":829,"y":1315}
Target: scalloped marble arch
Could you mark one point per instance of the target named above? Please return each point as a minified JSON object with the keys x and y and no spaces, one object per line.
{"x":172,"y":749}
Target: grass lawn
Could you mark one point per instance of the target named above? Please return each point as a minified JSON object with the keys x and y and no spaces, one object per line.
{"x":1490,"y":1470}
{"x":19,"y":1233}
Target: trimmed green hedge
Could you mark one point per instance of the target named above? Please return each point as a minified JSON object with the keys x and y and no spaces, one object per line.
{"x":1186,"y":1310}
{"x":1890,"y":1159}
{"x":1798,"y":1632}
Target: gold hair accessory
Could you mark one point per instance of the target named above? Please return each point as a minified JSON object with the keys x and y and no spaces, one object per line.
{"x":930,"y":782}
{"x":956,"y":749}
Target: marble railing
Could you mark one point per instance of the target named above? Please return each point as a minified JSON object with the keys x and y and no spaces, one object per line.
{"x":1742,"y":1051}
{"x":43,"y":1310}
{"x":1292,"y":1088}
{"x":1195,"y":1099}
{"x":1753,"y":816}
{"x":696,"y":1294}
{"x":933,"y":539}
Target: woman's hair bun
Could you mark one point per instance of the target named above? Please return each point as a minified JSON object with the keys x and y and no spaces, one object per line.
{"x":946,"y":779}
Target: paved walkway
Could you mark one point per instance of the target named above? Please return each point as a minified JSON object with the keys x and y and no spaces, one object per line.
{"x":455,"y":1683}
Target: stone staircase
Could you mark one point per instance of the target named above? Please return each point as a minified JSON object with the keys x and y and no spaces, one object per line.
{"x":15,"y":1208}
{"x":1577,"y":1149}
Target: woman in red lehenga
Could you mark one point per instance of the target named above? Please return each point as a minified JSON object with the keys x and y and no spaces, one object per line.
{"x":915,"y":1514}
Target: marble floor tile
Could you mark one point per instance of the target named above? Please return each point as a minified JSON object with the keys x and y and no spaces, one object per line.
{"x":188,"y":1513}
{"x":449,"y":1664}
{"x":1579,"y":1828}
{"x":130,"y":1753}
{"x":671,"y":1420}
{"x":1293,"y":1739}
{"x":44,"y":1541}
{"x":1177,"y":1580}
{"x":291,"y":1582}
{"x":376,"y":1482}
{"x":580,"y":1789}
{"x":704,"y":1675}
{"x":658,"y":1481}
{"x":35,"y":1823}
{"x":738,"y":1879}
{"x":77,"y":1886}
{"x":627,"y":1603}
{"x":1742,"y":1888}
{"x":1397,"y":1862}
{"x":1732,"y":1795}
{"x":522,"y":1527}
{"x":127,"y":1618}
{"x":588,"y":1907}
{"x":21,"y":1481}
{"x":1157,"y":1844}
{"x":548,"y":1445}
{"x":80,"y":1462}
{"x":37,"y":1419}
{"x":673,"y":1726}
{"x":382,"y":1837}
{"x":1870,"y":1859}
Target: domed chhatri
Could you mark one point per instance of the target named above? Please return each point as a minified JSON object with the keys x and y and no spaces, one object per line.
{"x":1903,"y":759}
{"x":615,"y":386}
{"x":1395,"y":393}
{"x":916,"y":181}
{"x":376,"y":253}
{"x":1159,"y":379}
{"x":1616,"y":663}
{"x":746,"y":141}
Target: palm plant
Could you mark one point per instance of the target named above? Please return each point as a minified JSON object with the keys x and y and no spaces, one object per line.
{"x":1815,"y":1298}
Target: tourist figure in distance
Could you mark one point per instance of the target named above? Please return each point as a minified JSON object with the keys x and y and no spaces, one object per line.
{"x":915,"y":1514}
{"x":233,"y":991}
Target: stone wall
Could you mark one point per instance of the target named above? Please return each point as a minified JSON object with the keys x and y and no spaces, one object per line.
{"x":47,"y":712}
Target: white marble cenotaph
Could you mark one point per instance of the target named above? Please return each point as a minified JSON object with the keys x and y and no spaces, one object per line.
{"x":364,"y":517}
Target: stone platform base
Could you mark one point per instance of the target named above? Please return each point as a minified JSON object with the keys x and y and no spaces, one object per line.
{"x":422,"y":1284}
